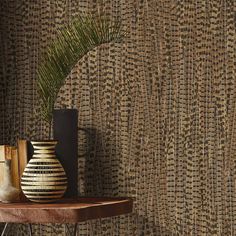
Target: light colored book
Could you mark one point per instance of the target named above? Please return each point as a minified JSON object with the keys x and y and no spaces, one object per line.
{"x":5,"y":154}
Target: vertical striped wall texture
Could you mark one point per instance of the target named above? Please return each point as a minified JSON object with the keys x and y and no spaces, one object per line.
{"x":161,"y":107}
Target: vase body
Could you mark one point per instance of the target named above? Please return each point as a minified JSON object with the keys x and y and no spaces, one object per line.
{"x":44,"y":179}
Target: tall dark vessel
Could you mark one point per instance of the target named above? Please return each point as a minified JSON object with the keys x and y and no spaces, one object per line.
{"x":65,"y":131}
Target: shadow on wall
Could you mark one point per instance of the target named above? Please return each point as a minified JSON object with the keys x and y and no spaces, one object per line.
{"x":100,"y":164}
{"x":100,"y":175}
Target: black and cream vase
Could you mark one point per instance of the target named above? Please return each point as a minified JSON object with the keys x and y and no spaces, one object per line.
{"x":44,"y":179}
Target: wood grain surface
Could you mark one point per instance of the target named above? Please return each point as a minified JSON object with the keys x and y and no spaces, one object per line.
{"x":65,"y":210}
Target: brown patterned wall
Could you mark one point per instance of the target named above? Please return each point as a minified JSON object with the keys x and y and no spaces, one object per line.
{"x":161,"y":108}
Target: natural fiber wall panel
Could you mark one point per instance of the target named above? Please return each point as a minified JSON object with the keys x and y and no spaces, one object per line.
{"x":160,"y":107}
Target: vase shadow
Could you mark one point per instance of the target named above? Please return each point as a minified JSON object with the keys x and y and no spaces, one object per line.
{"x":100,"y":174}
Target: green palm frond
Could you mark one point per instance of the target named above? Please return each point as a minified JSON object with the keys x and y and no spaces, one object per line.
{"x":70,"y":45}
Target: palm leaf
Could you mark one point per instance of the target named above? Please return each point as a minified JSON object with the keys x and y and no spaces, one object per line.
{"x":70,"y":45}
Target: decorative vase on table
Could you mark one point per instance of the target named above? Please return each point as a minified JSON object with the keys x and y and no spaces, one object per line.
{"x":44,"y":179}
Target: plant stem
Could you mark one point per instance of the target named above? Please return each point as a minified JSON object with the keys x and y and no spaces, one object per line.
{"x":50,"y":130}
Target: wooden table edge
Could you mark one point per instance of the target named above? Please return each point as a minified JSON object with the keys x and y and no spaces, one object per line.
{"x":113,"y":207}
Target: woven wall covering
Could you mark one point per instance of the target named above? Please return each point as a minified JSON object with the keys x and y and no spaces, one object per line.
{"x":160,"y":106}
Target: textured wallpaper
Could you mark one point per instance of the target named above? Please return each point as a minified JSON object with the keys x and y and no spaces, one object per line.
{"x":160,"y":106}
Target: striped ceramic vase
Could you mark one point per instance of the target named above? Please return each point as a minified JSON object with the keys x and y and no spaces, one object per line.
{"x":44,"y":179}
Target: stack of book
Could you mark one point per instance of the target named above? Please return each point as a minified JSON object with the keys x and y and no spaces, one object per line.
{"x":19,"y":159}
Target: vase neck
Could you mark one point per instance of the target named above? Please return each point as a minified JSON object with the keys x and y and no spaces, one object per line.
{"x":44,"y":149}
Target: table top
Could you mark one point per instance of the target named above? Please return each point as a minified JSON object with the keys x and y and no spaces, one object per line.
{"x":65,"y":210}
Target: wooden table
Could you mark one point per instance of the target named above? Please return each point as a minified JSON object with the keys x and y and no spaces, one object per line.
{"x":63,"y":211}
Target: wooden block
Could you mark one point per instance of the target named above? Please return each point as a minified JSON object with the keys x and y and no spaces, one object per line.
{"x":15,"y":169}
{"x":22,"y":162}
{"x":22,"y":156}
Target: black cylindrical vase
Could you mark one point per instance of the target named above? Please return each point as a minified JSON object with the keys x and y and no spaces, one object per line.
{"x":65,"y":130}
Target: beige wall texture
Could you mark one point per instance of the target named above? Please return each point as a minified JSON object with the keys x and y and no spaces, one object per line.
{"x":161,"y":108}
